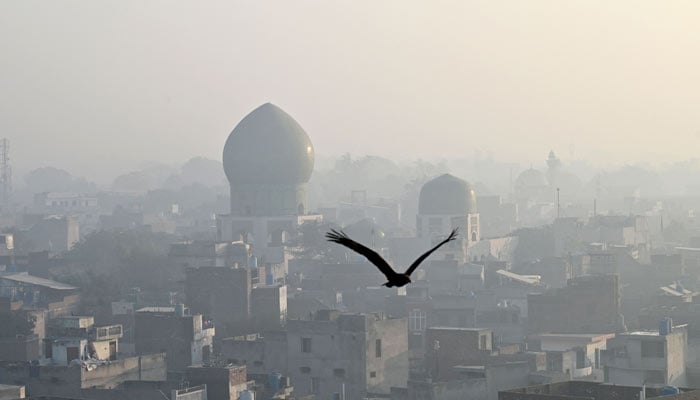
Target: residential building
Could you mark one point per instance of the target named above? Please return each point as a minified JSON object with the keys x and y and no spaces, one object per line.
{"x":269,"y":307}
{"x":575,"y":354}
{"x":59,"y":299}
{"x":647,"y":357}
{"x":72,"y":338}
{"x":222,"y":295}
{"x":185,"y":338}
{"x":587,"y":304}
{"x":578,"y":390}
{"x":222,"y":382}
{"x":363,"y":354}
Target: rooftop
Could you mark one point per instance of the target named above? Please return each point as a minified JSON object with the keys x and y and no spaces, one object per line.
{"x":450,"y":328}
{"x":37,"y":281}
{"x":157,"y":309}
{"x":652,"y":333}
{"x":527,"y":279}
{"x":593,"y":337}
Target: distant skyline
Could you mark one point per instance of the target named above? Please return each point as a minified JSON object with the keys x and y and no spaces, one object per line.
{"x":97,"y":87}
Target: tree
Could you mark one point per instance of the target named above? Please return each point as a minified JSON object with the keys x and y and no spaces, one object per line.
{"x":50,"y":179}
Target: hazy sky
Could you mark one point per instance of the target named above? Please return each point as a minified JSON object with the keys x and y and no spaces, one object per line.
{"x":93,"y":85}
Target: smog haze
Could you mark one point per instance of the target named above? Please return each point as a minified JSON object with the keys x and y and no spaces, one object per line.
{"x":163,"y":81}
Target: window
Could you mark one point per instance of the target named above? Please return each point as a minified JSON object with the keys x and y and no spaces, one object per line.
{"x":655,"y":377}
{"x":653,"y":349}
{"x":416,"y":320}
{"x":306,"y":345}
{"x":580,"y":358}
{"x":305,"y":370}
{"x":482,"y":342}
{"x":373,"y":374}
{"x":339,"y":373}
{"x":378,"y":348}
{"x":315,"y":385}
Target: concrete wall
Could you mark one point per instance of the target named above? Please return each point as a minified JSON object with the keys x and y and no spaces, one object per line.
{"x":391,"y":367}
{"x":587,"y":304}
{"x":269,"y":307}
{"x":676,"y":350}
{"x":145,"y":368}
{"x":20,"y":349}
{"x":166,"y":332}
{"x":343,"y":350}
{"x":581,"y":390}
{"x":246,"y":352}
{"x":11,"y":392}
{"x":506,"y":376}
{"x":472,"y":389}
{"x":222,"y":294}
{"x":625,"y":364}
{"x":194,"y":393}
{"x":260,"y":355}
{"x":457,"y":347}
{"x":222,"y":383}
{"x":68,"y":381}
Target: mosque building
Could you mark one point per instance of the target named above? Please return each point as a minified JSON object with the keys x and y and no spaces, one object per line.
{"x":445,"y":203}
{"x":268,"y":159}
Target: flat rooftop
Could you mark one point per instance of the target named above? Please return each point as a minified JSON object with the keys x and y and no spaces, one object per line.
{"x":450,"y":328}
{"x":37,"y":281}
{"x":157,"y":309}
{"x":582,"y":336}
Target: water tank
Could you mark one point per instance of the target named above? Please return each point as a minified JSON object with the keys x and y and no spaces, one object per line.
{"x":669,"y":390}
{"x":180,"y":310}
{"x":253,"y":262}
{"x":246,"y":395}
{"x":665,"y":326}
{"x":269,"y":280}
{"x":274,"y":380}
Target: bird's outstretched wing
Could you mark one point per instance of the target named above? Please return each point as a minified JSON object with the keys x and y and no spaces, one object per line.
{"x":453,"y":236}
{"x":341,"y":238}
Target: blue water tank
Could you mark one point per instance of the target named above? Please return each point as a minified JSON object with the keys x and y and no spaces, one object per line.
{"x":669,"y":390}
{"x":274,"y":380}
{"x":269,"y":279}
{"x":665,"y":326}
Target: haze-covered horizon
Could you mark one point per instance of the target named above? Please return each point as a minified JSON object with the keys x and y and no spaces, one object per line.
{"x":98,"y":89}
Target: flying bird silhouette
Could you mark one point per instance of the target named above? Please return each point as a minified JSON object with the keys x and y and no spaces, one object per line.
{"x":393,"y":278}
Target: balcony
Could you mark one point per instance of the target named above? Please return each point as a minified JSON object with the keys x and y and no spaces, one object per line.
{"x":109,"y":332}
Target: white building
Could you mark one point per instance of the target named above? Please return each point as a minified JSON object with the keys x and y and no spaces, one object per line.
{"x":647,"y":357}
{"x":575,"y":354}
